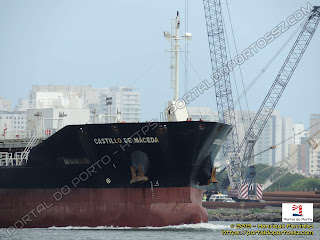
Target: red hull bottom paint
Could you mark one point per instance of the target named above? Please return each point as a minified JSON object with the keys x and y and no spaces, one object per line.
{"x":132,"y":207}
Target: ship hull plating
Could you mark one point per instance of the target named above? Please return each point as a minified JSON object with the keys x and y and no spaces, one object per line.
{"x":101,"y":207}
{"x":132,"y":174}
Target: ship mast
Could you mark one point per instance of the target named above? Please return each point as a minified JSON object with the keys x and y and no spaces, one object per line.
{"x":176,"y":38}
{"x":173,"y":113}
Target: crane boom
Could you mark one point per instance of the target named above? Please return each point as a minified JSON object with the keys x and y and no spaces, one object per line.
{"x":241,"y":154}
{"x":219,"y":61}
{"x":222,"y":84}
{"x":279,"y":85}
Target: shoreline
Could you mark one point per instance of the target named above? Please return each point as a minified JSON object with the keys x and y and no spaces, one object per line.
{"x":268,"y":214}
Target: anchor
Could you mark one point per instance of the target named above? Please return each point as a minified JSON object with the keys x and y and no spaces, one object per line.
{"x":138,"y":176}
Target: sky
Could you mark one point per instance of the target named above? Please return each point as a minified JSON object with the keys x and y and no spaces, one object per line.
{"x":120,"y":43}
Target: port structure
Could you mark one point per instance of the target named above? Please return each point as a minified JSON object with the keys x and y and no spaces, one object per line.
{"x":239,"y":157}
{"x":276,"y":90}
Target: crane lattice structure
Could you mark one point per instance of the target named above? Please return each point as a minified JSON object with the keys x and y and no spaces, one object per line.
{"x":219,"y":61}
{"x":274,"y":94}
{"x":279,"y":85}
{"x":239,"y":156}
{"x":287,"y":165}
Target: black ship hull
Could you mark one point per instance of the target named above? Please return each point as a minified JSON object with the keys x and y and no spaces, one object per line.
{"x":124,"y":174}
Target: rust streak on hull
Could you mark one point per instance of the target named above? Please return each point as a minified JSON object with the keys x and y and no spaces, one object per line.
{"x":101,"y":207}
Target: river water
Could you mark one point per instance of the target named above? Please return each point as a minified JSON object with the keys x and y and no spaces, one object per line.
{"x":204,"y":231}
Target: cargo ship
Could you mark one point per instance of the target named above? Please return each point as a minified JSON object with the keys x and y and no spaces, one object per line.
{"x":116,"y":174}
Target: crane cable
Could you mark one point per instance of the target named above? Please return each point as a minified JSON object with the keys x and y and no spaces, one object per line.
{"x":235,"y":45}
{"x":186,"y":75}
{"x":253,"y":82}
{"x":148,"y":69}
{"x":188,"y":78}
{"x":234,"y":78}
{"x":275,"y":146}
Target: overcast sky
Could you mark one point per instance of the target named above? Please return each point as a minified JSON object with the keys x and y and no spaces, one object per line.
{"x":109,"y":43}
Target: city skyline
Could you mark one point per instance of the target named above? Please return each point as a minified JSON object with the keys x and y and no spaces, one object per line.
{"x":51,"y":107}
{"x":15,"y":107}
{"x":106,"y":44}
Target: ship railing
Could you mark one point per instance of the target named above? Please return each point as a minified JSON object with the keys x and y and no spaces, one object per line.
{"x":6,"y":159}
{"x":18,"y":158}
{"x":33,"y":142}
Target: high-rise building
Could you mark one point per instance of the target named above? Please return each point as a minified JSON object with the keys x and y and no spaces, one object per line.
{"x":315,"y":162}
{"x":123,"y":103}
{"x":244,"y":120}
{"x":105,"y":104}
{"x":314,"y":145}
{"x":56,"y":96}
{"x":13,"y":125}
{"x":276,"y":136}
{"x":294,"y":157}
{"x":23,"y":105}
{"x":304,"y":157}
{"x":55,"y":106}
{"x":204,"y":113}
{"x":298,"y":132}
{"x":314,"y":123}
{"x":264,"y":142}
{"x":5,"y":105}
{"x":287,"y":136}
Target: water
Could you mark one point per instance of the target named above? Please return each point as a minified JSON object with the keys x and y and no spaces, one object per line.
{"x":204,"y":231}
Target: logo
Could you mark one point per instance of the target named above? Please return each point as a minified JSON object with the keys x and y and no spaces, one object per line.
{"x":297,"y":212}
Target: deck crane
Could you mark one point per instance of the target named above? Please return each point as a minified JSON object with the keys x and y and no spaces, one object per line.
{"x":242,"y":155}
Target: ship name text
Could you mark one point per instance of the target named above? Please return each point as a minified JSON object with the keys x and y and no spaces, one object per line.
{"x":133,"y":140}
